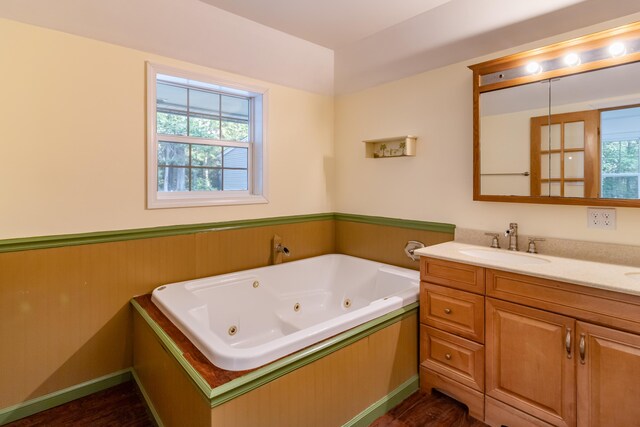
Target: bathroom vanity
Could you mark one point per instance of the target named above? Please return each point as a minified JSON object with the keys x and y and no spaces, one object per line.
{"x":530,"y":340}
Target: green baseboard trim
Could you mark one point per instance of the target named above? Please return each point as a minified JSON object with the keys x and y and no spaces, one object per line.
{"x":382,"y":406}
{"x":147,"y":399}
{"x":51,"y":400}
{"x":254,"y":379}
{"x":396,"y":222}
{"x":57,"y":241}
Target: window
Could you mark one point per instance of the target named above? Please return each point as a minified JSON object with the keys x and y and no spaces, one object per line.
{"x":206,"y":141}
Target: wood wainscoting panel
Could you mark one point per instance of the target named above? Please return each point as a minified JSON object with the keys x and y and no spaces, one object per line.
{"x":219,"y":252}
{"x":66,"y":316}
{"x":333,"y":389}
{"x":383,"y":243}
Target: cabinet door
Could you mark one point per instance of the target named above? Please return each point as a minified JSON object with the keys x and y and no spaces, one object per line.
{"x":530,"y":361}
{"x":608,"y":377}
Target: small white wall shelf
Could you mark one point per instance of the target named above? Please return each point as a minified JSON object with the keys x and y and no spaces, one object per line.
{"x":398,"y":146}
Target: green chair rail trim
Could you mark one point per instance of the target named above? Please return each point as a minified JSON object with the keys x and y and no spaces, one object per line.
{"x":57,"y":241}
{"x":382,"y":406}
{"x":396,"y":222}
{"x":272,"y":371}
{"x":44,"y":242}
{"x":48,"y":401}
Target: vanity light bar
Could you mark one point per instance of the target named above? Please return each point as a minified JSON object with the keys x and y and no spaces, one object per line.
{"x":567,"y":60}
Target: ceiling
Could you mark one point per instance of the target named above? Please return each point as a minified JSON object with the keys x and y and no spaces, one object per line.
{"x":329,"y":23}
{"x":326,"y":46}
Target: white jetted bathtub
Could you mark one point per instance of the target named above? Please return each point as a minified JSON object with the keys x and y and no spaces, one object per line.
{"x":247,"y":319}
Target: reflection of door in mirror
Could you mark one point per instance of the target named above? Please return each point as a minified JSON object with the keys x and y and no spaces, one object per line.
{"x":564,"y":155}
{"x":593,"y":153}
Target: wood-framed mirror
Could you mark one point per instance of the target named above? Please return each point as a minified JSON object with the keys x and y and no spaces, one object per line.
{"x":560,"y":124}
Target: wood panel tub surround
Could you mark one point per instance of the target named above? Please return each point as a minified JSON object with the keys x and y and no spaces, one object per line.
{"x":557,"y":354}
{"x":328,"y":390}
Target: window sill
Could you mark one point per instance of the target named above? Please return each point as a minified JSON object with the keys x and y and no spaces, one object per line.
{"x":187,"y":202}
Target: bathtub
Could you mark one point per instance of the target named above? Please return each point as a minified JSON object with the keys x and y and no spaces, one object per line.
{"x":247,"y":319}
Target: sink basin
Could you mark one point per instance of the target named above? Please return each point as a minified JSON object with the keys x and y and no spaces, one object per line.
{"x":633,"y":275}
{"x":504,"y":256}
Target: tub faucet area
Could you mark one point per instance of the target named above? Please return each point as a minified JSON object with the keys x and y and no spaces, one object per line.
{"x":282,"y":249}
{"x":278,"y":249}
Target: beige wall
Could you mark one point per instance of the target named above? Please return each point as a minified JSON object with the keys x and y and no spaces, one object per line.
{"x":436,"y":185}
{"x":73,"y":131}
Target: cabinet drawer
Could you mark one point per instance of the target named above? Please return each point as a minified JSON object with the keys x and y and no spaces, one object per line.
{"x":453,"y":274}
{"x":458,"y":312}
{"x":454,"y":357}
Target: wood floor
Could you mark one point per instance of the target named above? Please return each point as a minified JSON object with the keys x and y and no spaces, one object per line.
{"x":423,"y":410}
{"x":123,"y":406}
{"x":120,"y":406}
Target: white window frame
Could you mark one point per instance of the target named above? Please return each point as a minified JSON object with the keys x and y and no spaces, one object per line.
{"x":257,"y":162}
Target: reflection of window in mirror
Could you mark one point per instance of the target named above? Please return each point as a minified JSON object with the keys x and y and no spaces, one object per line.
{"x":620,"y":153}
{"x":570,"y":159}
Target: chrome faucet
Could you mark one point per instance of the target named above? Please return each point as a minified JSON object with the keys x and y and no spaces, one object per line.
{"x":282,"y":249}
{"x":512,"y":233}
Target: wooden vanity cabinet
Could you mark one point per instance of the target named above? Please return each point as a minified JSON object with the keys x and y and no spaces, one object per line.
{"x":590,"y":377}
{"x":555,"y":353}
{"x":452,"y":331}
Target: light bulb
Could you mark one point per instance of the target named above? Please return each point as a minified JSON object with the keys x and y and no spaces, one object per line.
{"x":572,"y":59}
{"x":617,"y":49}
{"x":533,"y":68}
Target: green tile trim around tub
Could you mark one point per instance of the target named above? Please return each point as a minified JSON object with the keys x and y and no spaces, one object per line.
{"x":382,"y":406}
{"x":396,"y":222}
{"x":280,"y":367}
{"x":48,"y":401}
{"x":44,"y":242}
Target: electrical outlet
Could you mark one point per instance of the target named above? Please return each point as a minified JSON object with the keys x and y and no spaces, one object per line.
{"x":601,"y":218}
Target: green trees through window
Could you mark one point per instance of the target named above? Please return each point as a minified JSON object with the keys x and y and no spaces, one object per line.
{"x":215,"y":118}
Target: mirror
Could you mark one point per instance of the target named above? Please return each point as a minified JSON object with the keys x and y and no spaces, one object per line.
{"x":570,"y":135}
{"x":573,"y":136}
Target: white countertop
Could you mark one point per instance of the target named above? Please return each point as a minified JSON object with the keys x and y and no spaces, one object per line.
{"x":611,"y":277}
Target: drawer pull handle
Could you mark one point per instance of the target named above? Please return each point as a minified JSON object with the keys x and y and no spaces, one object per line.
{"x":583,"y":349}
{"x":447,"y":311}
{"x":567,"y":343}
{"x":447,"y":356}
